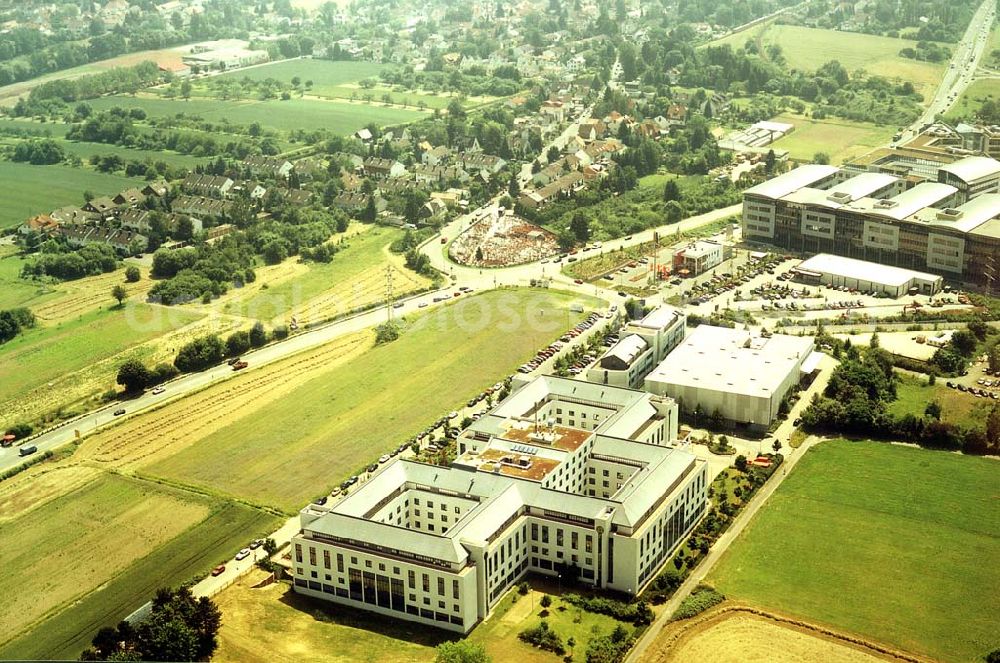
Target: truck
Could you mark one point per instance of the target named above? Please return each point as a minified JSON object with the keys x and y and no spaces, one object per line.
{"x":240,"y":365}
{"x":27,"y":451}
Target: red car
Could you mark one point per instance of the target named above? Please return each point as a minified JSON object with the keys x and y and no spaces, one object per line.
{"x":219,"y":570}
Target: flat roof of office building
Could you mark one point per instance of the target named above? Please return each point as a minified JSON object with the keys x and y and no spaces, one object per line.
{"x":793,"y":180}
{"x":974,"y":168}
{"x":964,"y":218}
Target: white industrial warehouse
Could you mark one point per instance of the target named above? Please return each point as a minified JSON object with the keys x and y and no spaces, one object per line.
{"x":832,"y":270}
{"x":742,"y":374}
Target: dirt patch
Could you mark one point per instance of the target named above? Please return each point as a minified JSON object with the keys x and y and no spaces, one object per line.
{"x":737,"y":634}
{"x":167,"y":430}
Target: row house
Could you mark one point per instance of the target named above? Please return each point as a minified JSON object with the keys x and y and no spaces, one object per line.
{"x":273,"y":167}
{"x":200,"y":206}
{"x":216,"y":186}
{"x":564,"y":187}
{"x":438,"y":174}
{"x":378,"y":168}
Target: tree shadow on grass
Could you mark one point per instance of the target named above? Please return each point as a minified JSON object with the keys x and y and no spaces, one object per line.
{"x":396,"y":629}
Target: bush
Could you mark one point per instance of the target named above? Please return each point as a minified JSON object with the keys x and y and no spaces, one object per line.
{"x":20,"y":431}
{"x":237,"y":343}
{"x":543,"y":638}
{"x":258,"y":335}
{"x":700,"y":600}
{"x":638,"y":613}
{"x":134,"y":376}
{"x":132,"y":274}
{"x":610,"y":648}
{"x":280,"y":332}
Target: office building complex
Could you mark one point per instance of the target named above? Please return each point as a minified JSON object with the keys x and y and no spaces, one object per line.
{"x":643,"y":343}
{"x":562,"y":478}
{"x":949,"y":227}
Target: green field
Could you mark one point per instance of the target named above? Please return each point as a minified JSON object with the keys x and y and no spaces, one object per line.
{"x":323,"y":73}
{"x":15,"y":291}
{"x":349,"y":415}
{"x":894,"y":543}
{"x":842,"y":140}
{"x":54,"y":129}
{"x":30,"y":190}
{"x":810,"y":48}
{"x":337,"y":116}
{"x":52,"y":354}
{"x":959,"y":408}
{"x":978,"y":93}
{"x":108,"y":547}
{"x":86,"y":150}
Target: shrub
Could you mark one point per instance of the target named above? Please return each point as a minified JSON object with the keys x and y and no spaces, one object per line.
{"x":258,"y":335}
{"x":543,"y":638}
{"x":237,"y":343}
{"x":701,"y":600}
{"x":638,"y":613}
{"x":200,"y":353}
{"x":132,"y":274}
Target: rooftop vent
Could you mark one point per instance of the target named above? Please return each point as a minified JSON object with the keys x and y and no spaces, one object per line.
{"x":839,"y":197}
{"x":886,"y":204}
{"x":949,"y":214}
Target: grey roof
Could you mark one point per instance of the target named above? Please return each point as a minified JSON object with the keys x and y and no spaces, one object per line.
{"x":793,"y":180}
{"x":973,"y":168}
{"x":965,"y":217}
{"x":627,"y":349}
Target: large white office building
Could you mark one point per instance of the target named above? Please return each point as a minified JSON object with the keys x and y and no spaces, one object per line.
{"x":643,"y":343}
{"x":563,"y":477}
{"x":743,"y":375}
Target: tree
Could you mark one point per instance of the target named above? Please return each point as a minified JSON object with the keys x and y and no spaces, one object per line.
{"x":671,"y":191}
{"x":119,"y":293}
{"x":546,"y":601}
{"x":513,"y":188}
{"x":258,"y":335}
{"x":993,"y":358}
{"x":237,"y":343}
{"x":580,"y":227}
{"x":132,"y":274}
{"x":770,"y":161}
{"x":741,"y":463}
{"x":387,"y":332}
{"x":964,"y":342}
{"x":776,"y":446}
{"x":133,"y":375}
{"x":821,"y":158}
{"x":186,"y":89}
{"x":461,"y":651}
{"x":933,"y":410}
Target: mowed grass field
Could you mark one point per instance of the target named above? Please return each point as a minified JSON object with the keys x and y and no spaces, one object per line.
{"x":959,"y":408}
{"x":978,"y":93}
{"x":842,"y":140}
{"x":893,"y":543}
{"x":810,"y":48}
{"x":15,"y":291}
{"x":337,"y":116}
{"x":289,"y":451}
{"x":90,"y":557}
{"x":30,"y":190}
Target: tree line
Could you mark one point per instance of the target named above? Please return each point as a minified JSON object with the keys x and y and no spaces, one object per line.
{"x":14,"y":321}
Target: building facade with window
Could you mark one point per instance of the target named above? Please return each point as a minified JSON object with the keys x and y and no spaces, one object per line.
{"x":604,"y":500}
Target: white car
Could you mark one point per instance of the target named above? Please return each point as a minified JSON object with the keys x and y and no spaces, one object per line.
{"x":384,"y":458}
{"x":243,"y":554}
{"x":452,"y":414}
{"x":159,"y":390}
{"x":422,"y":305}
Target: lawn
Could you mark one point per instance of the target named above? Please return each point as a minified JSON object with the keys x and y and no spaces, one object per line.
{"x":337,"y":116}
{"x":32,"y":127}
{"x":321,"y":72}
{"x":274,"y":624}
{"x":894,"y":543}
{"x":288,"y":452}
{"x":95,"y":555}
{"x":810,"y":48}
{"x":959,"y":408}
{"x":31,"y":190}
{"x":52,"y":354}
{"x":86,"y":150}
{"x":15,"y":291}
{"x":842,"y":140}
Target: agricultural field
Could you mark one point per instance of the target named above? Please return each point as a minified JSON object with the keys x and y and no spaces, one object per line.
{"x":31,"y":190}
{"x":727,"y":637}
{"x":50,"y":367}
{"x":272,"y":623}
{"x":15,"y":291}
{"x":959,"y":408}
{"x":317,"y":291}
{"x":54,"y":129}
{"x":368,"y":403}
{"x":885,"y":541}
{"x":842,"y":140}
{"x":810,"y":48}
{"x":335,"y":115}
{"x":106,"y":547}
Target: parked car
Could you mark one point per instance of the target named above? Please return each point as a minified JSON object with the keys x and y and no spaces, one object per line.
{"x":219,"y":570}
{"x":159,"y":390}
{"x":384,"y":458}
{"x":373,"y":467}
{"x":256,"y":543}
{"x":243,"y":554}
{"x":119,"y":412}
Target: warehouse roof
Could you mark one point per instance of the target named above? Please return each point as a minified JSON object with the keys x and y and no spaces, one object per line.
{"x":733,"y":361}
{"x":826,"y":263}
{"x":793,"y":180}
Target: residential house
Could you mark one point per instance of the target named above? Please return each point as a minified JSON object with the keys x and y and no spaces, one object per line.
{"x":200,"y":206}
{"x":353,"y":202}
{"x":442,"y":175}
{"x":262,"y":166}
{"x":474,"y":162}
{"x":563,"y":187}
{"x":215,"y":186}
{"x":42,"y":223}
{"x":554,"y":110}
{"x":71,"y":215}
{"x":435,"y":156}
{"x":379,"y":169}
{"x":130,"y":197}
{"x":101,"y":205}
{"x":433,"y":208}
{"x":157,"y":188}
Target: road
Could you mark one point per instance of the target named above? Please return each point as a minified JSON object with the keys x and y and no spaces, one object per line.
{"x":743,"y":519}
{"x":961,"y":70}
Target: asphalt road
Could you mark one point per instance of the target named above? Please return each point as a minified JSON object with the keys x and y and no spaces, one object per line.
{"x":961,"y":70}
